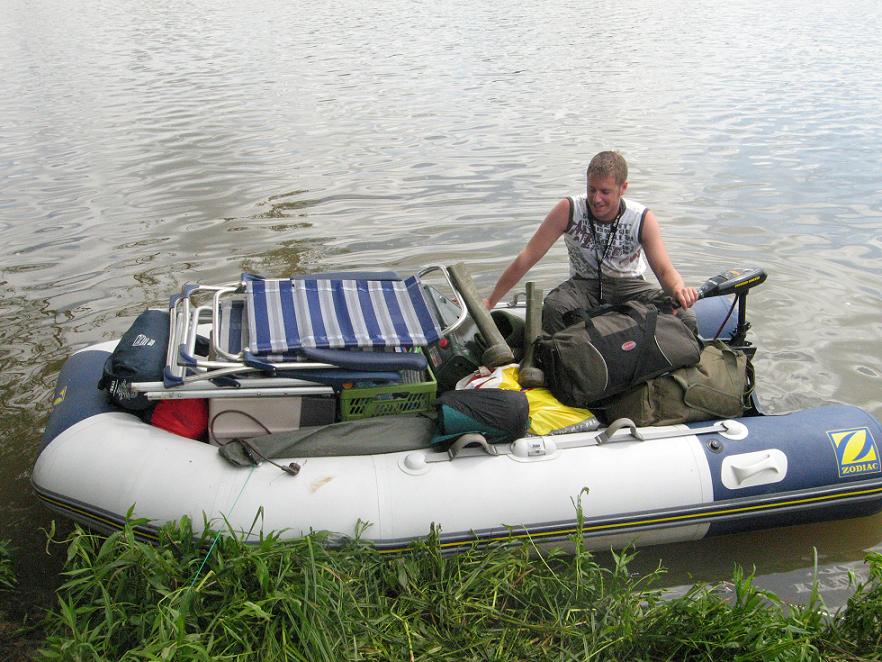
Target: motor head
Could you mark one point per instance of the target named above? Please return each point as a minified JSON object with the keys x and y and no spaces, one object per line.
{"x":733,"y":281}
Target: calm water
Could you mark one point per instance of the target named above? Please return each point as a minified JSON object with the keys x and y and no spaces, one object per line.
{"x":145,"y":144}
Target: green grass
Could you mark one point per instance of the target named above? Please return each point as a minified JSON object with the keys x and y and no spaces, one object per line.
{"x":302,"y":600}
{"x":7,"y":573}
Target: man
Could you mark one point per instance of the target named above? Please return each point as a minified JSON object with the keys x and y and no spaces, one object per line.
{"x":610,"y":239}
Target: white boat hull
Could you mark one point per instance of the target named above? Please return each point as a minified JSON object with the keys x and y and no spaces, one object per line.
{"x":768,"y":471}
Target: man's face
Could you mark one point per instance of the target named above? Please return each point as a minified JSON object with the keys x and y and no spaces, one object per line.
{"x":604,"y":196}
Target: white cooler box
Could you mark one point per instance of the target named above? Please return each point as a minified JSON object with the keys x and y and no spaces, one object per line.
{"x":243,"y":418}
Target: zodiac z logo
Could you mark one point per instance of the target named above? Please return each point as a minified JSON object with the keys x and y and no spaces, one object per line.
{"x":59,"y":396}
{"x":856,"y":451}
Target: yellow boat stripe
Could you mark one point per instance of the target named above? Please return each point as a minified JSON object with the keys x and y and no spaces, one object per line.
{"x":569,"y":529}
{"x":94,"y":516}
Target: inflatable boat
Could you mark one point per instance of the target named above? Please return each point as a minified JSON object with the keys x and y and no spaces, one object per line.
{"x":616,"y":485}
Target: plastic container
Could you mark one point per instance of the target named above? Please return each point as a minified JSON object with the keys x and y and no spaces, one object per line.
{"x":416,"y":393}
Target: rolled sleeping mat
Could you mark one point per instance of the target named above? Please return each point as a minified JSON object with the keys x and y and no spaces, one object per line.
{"x":529,"y":376}
{"x":498,"y":352}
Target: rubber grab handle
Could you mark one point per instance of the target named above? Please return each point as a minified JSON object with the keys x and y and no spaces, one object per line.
{"x":470,"y":439}
{"x":529,"y":376}
{"x":498,"y":352}
{"x":767,"y":463}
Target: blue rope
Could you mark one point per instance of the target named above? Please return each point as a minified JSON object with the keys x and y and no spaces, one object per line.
{"x":217,"y":537}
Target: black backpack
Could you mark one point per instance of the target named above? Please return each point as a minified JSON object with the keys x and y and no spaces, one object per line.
{"x":139,"y":357}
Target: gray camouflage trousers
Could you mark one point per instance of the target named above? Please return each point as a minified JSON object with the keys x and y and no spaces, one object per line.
{"x":582,"y":293}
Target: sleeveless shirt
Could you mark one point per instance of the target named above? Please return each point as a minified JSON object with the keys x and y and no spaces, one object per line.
{"x":624,"y":259}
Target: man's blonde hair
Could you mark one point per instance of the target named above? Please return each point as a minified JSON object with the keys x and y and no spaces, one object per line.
{"x":609,"y":164}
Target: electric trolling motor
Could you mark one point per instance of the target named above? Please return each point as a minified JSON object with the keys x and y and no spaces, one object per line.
{"x":737,"y":282}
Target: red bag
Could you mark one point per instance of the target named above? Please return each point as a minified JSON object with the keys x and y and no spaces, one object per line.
{"x":187,"y":418}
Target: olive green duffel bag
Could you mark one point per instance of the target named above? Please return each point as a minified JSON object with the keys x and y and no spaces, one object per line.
{"x":717,"y":387}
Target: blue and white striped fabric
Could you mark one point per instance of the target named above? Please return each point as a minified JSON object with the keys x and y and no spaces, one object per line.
{"x":229,"y":327}
{"x":285,"y":315}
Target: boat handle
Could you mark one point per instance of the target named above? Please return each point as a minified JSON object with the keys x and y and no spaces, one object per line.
{"x":468,"y":440}
{"x":743,"y":472}
{"x":617,"y":425}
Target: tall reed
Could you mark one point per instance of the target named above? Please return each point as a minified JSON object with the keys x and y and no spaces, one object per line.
{"x":304,"y":600}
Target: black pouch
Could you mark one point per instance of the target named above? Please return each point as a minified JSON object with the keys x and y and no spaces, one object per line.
{"x":500,"y":416}
{"x":139,"y":357}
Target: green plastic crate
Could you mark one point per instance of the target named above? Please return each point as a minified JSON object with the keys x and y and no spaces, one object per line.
{"x":416,"y":393}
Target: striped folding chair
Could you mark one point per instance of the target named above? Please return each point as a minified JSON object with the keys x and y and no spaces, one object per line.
{"x":289,"y":315}
{"x":327,"y":328}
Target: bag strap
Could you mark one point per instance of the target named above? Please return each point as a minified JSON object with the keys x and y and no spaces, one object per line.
{"x":749,"y":374}
{"x":751,"y":384}
{"x":587,"y":315}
